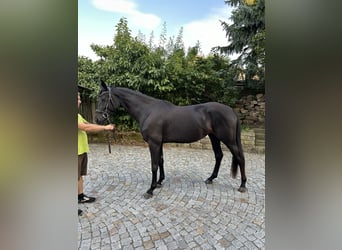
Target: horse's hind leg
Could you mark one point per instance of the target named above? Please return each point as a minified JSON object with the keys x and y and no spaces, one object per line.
{"x":161,"y":168}
{"x":218,"y":157}
{"x":238,"y":160}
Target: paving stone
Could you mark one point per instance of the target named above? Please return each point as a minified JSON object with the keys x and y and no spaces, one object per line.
{"x":185,"y":213}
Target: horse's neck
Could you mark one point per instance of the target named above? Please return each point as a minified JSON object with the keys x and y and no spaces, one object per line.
{"x":135,"y":103}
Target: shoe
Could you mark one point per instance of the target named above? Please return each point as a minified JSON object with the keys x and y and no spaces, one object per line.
{"x":86,"y":199}
{"x":80,"y":212}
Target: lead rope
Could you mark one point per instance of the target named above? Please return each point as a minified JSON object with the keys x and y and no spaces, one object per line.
{"x":108,"y":140}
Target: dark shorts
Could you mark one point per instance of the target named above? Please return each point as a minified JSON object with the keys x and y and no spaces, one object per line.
{"x":82,"y":164}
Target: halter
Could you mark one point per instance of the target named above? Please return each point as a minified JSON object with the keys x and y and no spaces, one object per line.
{"x":105,"y":113}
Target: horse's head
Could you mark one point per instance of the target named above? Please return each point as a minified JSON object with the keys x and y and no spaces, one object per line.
{"x":106,"y":104}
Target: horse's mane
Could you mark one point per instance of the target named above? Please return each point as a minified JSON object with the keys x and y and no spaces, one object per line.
{"x":138,"y":95}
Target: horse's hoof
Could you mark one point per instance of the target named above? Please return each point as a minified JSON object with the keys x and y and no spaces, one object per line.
{"x":159,"y":185}
{"x":242,"y":189}
{"x":147,"y":196}
{"x":209,"y":181}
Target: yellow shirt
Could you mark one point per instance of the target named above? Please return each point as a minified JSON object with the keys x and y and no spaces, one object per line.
{"x":83,"y":146}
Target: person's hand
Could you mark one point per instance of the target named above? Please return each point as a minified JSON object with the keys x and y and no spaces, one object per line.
{"x":110,"y":127}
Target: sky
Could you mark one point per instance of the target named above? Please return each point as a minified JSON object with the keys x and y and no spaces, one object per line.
{"x":200,"y":19}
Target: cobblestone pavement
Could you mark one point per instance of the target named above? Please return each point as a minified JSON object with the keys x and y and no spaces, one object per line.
{"x":185,"y":213}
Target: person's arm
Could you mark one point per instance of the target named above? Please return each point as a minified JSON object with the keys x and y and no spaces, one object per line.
{"x":91,"y":127}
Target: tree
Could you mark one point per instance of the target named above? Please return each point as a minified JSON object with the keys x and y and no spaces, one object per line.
{"x":246,"y":35}
{"x":88,"y":74}
{"x":165,"y":71}
{"x":163,"y":37}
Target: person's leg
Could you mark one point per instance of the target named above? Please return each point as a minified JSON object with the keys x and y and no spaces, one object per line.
{"x":83,"y":167}
{"x":80,"y":185}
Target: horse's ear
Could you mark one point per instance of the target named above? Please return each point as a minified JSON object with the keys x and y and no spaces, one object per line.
{"x":103,"y":86}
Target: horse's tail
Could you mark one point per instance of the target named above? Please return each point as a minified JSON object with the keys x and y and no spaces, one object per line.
{"x":234,"y":168}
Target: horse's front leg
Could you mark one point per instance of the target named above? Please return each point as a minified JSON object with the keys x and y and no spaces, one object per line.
{"x":218,"y":157}
{"x":161,"y":168}
{"x":154,"y":151}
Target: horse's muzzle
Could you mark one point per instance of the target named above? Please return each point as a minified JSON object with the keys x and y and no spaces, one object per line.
{"x":100,"y":119}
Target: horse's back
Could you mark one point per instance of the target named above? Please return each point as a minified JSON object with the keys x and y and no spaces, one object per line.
{"x":220,"y":110}
{"x":217,"y":106}
{"x":205,"y":112}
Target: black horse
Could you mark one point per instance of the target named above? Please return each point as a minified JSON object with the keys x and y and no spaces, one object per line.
{"x":162,"y":122}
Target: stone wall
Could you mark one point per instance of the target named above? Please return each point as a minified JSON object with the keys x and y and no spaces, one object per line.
{"x":134,"y":138}
{"x":251,"y":110}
